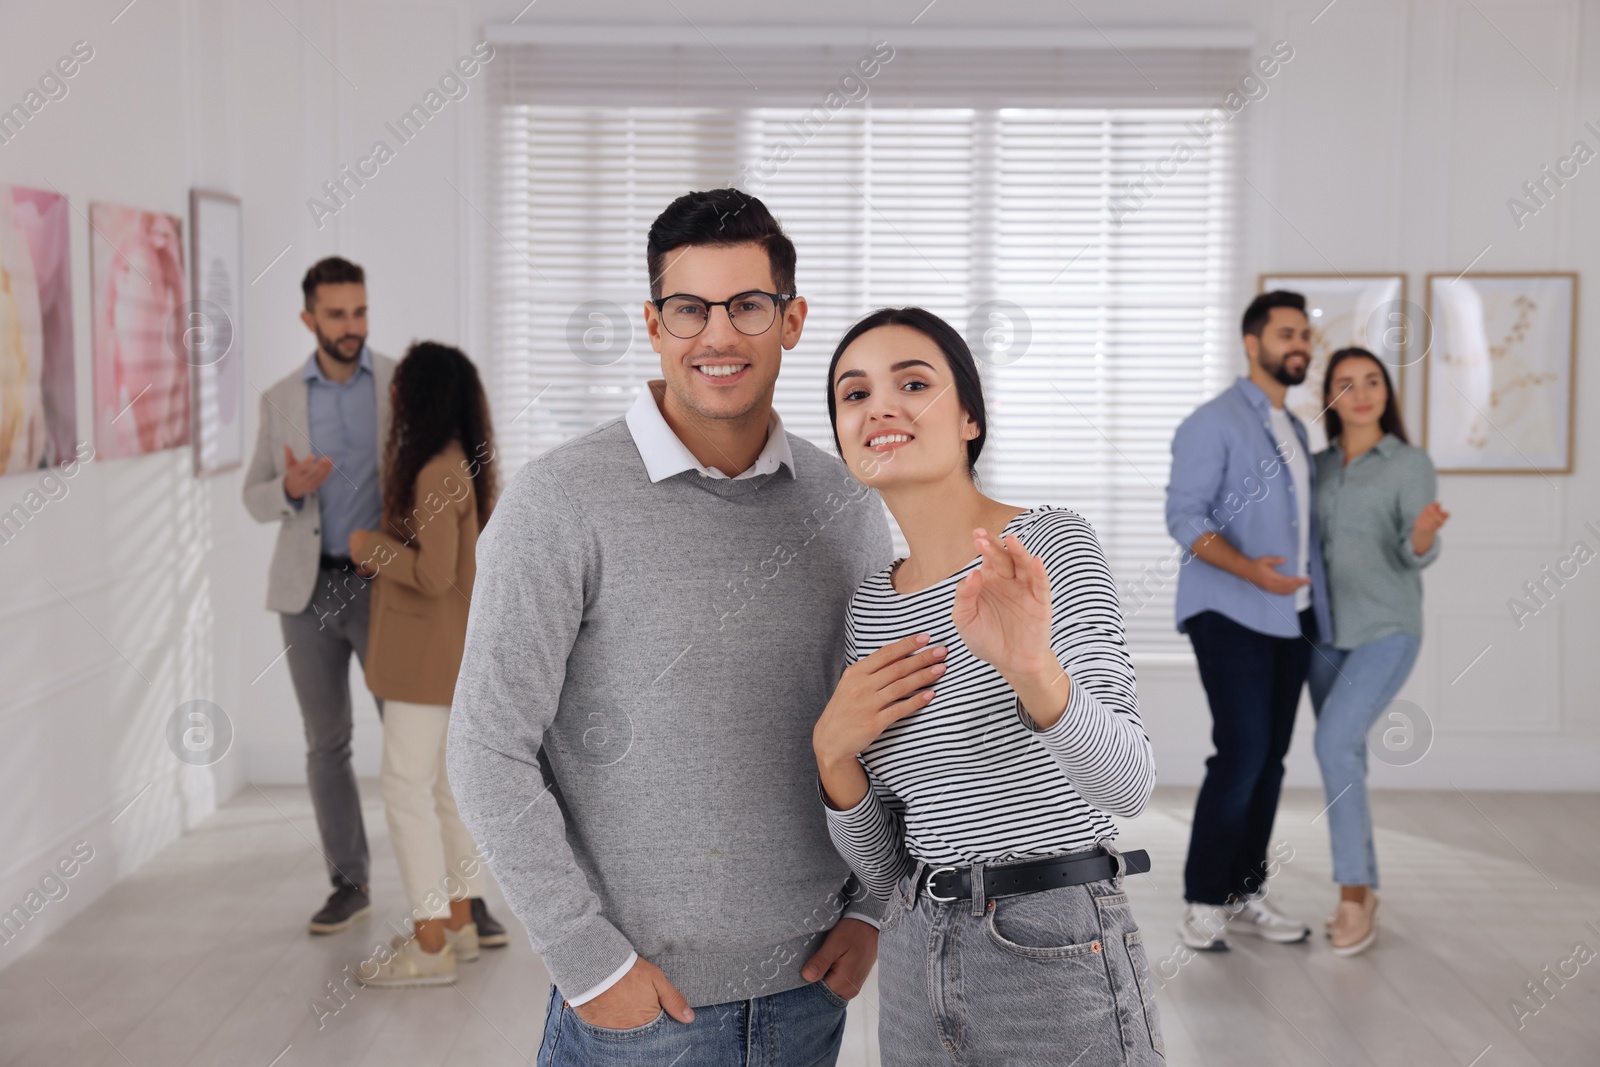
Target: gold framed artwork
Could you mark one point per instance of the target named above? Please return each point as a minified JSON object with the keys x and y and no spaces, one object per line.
{"x":1498,"y":383}
{"x":1351,"y":309}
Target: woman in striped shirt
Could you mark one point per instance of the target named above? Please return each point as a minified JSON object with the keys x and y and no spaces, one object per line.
{"x":985,"y":726}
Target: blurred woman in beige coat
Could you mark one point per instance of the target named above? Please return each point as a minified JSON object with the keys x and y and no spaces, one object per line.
{"x":439,"y":486}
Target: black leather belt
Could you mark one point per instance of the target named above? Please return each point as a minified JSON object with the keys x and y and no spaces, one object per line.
{"x":945,"y":884}
{"x":336,"y":563}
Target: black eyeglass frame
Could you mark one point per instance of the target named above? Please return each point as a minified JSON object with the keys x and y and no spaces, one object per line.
{"x":779,"y":301}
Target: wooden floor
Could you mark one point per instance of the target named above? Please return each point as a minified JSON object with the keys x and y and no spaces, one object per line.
{"x":202,"y":956}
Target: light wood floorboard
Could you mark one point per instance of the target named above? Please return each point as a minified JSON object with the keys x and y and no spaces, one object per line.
{"x":202,"y":958}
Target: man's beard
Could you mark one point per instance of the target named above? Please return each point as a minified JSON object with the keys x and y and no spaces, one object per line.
{"x":331,"y":347}
{"x":1285,"y":376}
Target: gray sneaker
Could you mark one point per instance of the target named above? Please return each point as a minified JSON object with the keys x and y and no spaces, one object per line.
{"x":1260,"y":919}
{"x":347,"y":904}
{"x":1202,"y":926}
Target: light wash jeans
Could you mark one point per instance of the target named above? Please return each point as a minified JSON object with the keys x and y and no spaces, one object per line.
{"x":1350,"y":688}
{"x":802,"y":1027}
{"x":1036,"y":980}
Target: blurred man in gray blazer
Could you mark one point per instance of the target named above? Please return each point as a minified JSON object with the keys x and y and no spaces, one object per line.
{"x":315,"y":472}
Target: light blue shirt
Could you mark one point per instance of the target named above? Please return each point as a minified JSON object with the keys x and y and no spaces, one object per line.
{"x":1228,"y":477}
{"x":343,"y":421}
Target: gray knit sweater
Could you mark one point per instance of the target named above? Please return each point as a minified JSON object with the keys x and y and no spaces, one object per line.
{"x":631,"y":735}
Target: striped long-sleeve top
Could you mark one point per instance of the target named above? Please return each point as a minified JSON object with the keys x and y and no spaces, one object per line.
{"x":968,"y":778}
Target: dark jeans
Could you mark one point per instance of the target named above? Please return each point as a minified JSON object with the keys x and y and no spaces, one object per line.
{"x":1253,"y":684}
{"x":803,"y":1027}
{"x":321,"y":640}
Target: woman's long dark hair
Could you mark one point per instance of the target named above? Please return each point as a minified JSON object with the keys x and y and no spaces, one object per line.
{"x":963,"y":368}
{"x":1388,"y":422}
{"x":437,"y":398}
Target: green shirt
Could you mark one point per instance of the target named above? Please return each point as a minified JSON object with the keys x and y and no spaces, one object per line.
{"x":1365,"y":512}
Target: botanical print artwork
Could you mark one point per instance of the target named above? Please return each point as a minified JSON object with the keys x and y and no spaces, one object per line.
{"x":1500,"y":375}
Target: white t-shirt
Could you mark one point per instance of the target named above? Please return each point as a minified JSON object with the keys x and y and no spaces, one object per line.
{"x":1299,"y":465}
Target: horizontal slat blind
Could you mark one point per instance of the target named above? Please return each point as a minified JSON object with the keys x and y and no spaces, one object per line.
{"x":940,"y":205}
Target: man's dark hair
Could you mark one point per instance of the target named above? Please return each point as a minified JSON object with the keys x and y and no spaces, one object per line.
{"x":330,"y":271}
{"x":1260,"y":309}
{"x":722,"y":217}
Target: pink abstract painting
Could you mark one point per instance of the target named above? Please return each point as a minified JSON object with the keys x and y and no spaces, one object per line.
{"x":141,"y":375}
{"x":38,"y":408}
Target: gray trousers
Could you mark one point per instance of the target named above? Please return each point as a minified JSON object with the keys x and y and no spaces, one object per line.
{"x":1051,"y":978}
{"x":321,"y":639}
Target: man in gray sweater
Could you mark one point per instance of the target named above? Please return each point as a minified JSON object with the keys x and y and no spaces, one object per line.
{"x":657,"y":622}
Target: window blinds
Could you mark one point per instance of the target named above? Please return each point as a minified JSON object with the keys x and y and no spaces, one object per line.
{"x":989,"y":187}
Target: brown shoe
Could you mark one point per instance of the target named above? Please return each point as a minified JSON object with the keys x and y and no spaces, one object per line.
{"x":1355,"y":925}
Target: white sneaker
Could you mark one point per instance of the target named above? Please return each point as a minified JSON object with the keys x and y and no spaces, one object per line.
{"x":405,"y":964}
{"x":1255,"y":916}
{"x":1202,"y":926}
{"x":463,"y":942}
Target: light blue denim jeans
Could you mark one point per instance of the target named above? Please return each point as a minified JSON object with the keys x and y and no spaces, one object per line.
{"x":801,"y":1027}
{"x":1350,"y":688}
{"x":1036,"y":980}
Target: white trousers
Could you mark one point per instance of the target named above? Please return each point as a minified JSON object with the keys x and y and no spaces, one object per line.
{"x":438,"y":859}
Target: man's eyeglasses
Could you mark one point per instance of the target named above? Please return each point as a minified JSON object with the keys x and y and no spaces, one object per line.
{"x":752,"y":313}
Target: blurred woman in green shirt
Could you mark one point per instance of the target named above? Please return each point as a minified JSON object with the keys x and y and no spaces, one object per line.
{"x":1379,"y":523}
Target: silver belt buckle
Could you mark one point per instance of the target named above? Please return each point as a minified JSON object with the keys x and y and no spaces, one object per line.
{"x":927,"y":885}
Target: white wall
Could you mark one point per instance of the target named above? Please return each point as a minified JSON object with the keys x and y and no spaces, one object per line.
{"x":121,"y":598}
{"x":1391,"y":142}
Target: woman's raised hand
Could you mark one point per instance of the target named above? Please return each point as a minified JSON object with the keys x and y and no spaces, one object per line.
{"x":1427,"y":525}
{"x":1002,"y":609}
{"x":1432,"y":517}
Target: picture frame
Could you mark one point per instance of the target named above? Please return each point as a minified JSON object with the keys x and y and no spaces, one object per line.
{"x":1369,"y":310}
{"x":139,"y":294}
{"x":214,"y":331}
{"x":38,"y":386}
{"x":1499,"y":381}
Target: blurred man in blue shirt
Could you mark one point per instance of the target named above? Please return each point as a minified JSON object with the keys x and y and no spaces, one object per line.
{"x":1252,"y":597}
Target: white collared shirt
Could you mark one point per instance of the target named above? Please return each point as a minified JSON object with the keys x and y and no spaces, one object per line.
{"x":664,"y":454}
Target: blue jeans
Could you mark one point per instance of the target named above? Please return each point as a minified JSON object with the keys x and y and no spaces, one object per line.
{"x":1349,"y":690}
{"x":799,"y":1028}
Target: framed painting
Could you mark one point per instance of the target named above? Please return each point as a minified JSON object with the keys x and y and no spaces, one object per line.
{"x":213,"y":332}
{"x":38,"y":394}
{"x":1347,"y":310}
{"x":1497,"y":385}
{"x":141,"y":376}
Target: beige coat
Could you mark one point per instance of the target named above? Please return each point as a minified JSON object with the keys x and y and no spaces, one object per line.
{"x":422,"y":591}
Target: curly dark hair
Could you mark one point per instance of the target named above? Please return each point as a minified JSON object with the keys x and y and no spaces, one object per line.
{"x":437,"y":398}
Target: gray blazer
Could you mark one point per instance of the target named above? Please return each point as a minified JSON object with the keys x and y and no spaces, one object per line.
{"x":293,"y":575}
